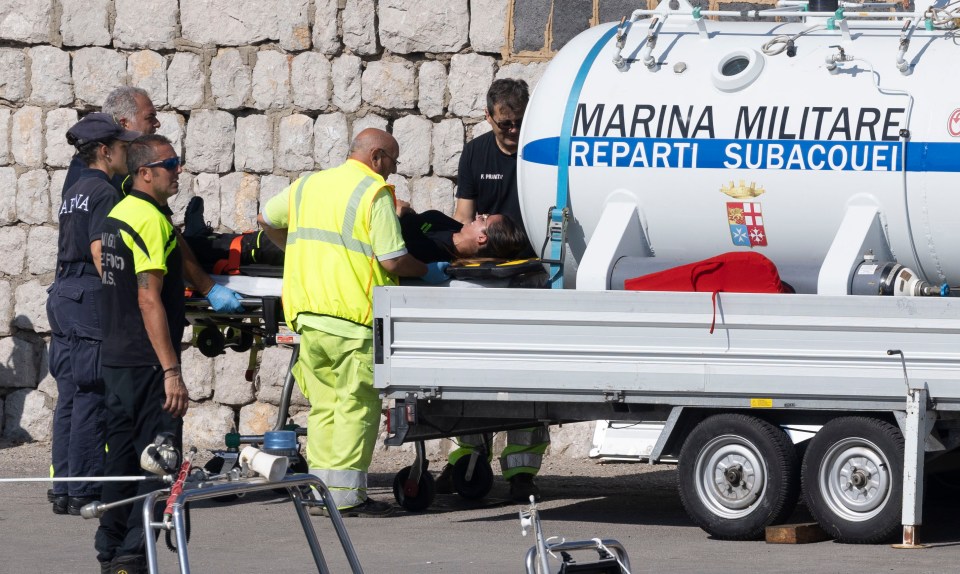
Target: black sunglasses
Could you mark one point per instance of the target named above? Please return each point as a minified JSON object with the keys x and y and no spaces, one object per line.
{"x":171,"y":163}
{"x":507,"y":125}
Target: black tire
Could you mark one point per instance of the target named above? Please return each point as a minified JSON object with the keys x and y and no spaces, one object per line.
{"x":426,"y":490}
{"x":801,"y":450}
{"x":480,"y":483}
{"x":298,"y":465}
{"x":867,"y":455}
{"x":241,"y":340}
{"x":210,"y":342}
{"x":737,"y":475}
{"x":215,"y":466}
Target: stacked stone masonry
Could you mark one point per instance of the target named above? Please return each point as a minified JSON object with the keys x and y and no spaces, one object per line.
{"x":253,"y":94}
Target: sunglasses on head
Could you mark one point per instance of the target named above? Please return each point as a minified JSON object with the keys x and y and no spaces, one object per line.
{"x":171,"y":163}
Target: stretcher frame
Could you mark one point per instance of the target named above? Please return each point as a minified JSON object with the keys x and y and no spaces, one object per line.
{"x":263,"y":318}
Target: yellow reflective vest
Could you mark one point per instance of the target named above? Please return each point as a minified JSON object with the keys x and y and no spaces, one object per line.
{"x":330,"y":267}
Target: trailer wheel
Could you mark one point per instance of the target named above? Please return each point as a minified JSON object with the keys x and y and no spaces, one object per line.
{"x":480,"y":482}
{"x":414,"y":499}
{"x":853,"y":479}
{"x":737,"y":475}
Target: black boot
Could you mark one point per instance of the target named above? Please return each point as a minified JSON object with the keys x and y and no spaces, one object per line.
{"x":130,"y":564}
{"x":522,"y":487}
{"x":60,"y":503}
{"x":193,"y":223}
{"x":76,"y":503}
{"x":444,"y":482}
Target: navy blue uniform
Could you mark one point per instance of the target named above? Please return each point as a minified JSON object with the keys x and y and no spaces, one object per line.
{"x":73,"y":174}
{"x":73,"y":309}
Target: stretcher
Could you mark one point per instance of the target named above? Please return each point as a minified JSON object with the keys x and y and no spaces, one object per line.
{"x":261,"y":324}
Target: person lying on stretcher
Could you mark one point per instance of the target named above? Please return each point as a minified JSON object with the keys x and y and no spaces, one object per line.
{"x":430,"y":236}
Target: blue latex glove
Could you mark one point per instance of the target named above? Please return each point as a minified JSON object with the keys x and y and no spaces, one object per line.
{"x":436,"y":272}
{"x":224,"y":300}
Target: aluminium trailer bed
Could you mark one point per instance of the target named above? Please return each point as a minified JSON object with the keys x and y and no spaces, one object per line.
{"x":723,"y":375}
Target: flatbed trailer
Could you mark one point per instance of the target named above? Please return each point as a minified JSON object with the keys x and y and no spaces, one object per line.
{"x":724,"y":372}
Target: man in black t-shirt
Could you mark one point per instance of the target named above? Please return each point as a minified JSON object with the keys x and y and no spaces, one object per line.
{"x":487,"y":183}
{"x":142,"y":315}
{"x":487,"y":176}
{"x":432,"y":236}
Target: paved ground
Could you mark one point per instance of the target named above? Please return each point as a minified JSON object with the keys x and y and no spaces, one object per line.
{"x":634,"y":503}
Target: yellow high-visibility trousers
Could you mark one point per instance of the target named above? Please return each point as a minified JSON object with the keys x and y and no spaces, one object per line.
{"x":336,"y":375}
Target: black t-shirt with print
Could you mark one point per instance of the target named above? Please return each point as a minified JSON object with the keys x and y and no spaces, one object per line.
{"x":489,"y":177}
{"x":138,"y":236}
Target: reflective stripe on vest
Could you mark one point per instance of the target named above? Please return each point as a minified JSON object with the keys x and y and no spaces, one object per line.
{"x":349,"y":219}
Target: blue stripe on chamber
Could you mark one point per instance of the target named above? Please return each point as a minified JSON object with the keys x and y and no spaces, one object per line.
{"x":691,"y":153}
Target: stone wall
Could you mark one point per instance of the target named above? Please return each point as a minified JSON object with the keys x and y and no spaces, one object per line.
{"x":252,"y":93}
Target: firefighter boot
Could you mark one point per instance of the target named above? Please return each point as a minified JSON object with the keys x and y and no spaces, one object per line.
{"x":131,"y":564}
{"x":444,"y":482}
{"x":522,"y":486}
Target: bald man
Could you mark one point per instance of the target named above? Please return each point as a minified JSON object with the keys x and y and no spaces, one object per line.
{"x":342,"y":238}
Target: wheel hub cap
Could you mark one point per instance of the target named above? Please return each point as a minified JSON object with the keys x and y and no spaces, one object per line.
{"x":730,"y":476}
{"x":854,"y":479}
{"x":734,"y":475}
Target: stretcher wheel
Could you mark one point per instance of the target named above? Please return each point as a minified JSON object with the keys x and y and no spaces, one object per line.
{"x":210,"y":342}
{"x":480,"y":482}
{"x":216,"y":466}
{"x":414,"y":497}
{"x":240,"y":341}
{"x":299,"y":465}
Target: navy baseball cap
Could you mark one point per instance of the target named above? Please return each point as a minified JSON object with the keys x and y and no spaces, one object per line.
{"x":99,"y":127}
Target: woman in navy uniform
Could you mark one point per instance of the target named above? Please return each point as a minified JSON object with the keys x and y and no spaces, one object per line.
{"x":73,"y":309}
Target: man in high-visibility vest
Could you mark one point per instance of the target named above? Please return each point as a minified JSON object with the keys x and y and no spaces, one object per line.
{"x":342,"y":238}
